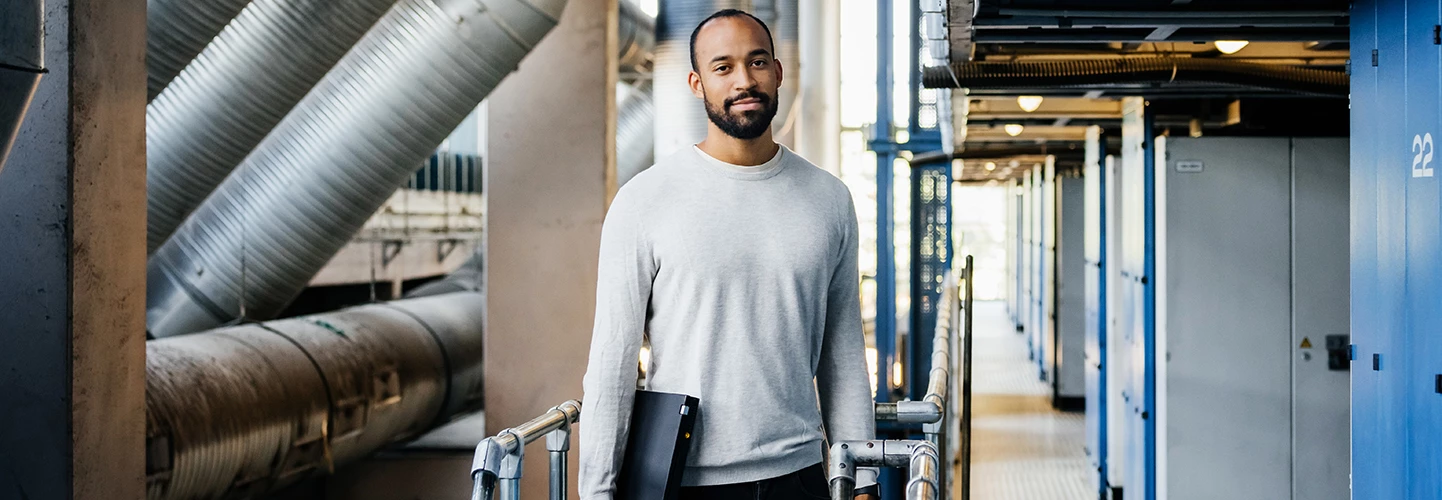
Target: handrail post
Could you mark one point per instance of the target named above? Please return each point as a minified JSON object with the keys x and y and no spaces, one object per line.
{"x":510,"y":473}
{"x":558,"y":442}
{"x":966,"y":305}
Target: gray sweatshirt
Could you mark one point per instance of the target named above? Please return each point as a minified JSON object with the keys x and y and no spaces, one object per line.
{"x":744,"y":279}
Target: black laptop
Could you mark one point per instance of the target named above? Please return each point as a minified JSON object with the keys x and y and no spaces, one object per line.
{"x":656,"y":449}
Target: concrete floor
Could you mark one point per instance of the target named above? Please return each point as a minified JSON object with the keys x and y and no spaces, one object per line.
{"x":1022,"y":448}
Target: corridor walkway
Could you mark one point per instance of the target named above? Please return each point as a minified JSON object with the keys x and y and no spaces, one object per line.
{"x":1022,"y":448}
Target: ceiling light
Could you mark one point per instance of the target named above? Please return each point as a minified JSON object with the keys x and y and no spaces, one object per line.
{"x":1015,"y":163}
{"x":1013,"y":129}
{"x":990,"y":166}
{"x":1029,"y":103}
{"x":1230,"y":46}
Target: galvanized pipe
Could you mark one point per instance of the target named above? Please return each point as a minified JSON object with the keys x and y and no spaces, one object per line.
{"x":220,"y":107}
{"x":494,"y":453}
{"x":924,"y":483}
{"x":176,"y":31}
{"x":22,"y":61}
{"x":256,"y":242}
{"x":244,"y":410}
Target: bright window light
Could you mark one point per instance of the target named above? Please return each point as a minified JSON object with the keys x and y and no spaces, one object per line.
{"x":1230,"y":46}
{"x":1029,"y":103}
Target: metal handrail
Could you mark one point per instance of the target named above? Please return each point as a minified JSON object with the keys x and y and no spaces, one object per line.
{"x":499,"y":458}
{"x":928,"y":477}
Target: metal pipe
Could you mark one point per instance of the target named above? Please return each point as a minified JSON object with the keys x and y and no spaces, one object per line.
{"x":966,"y":306}
{"x":1097,"y":72}
{"x":176,"y":31}
{"x":491,"y":454}
{"x":847,"y":456}
{"x":635,"y":131}
{"x":924,"y":483}
{"x":219,"y":108}
{"x":256,"y":242}
{"x":22,"y":61}
{"x":245,"y":410}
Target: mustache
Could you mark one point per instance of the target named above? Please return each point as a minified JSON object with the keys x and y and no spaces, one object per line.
{"x":749,"y":94}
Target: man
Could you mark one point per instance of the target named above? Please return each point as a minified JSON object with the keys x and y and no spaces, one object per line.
{"x":736,"y":258}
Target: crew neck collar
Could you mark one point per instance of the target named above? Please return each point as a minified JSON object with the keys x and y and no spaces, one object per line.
{"x":755,"y":172}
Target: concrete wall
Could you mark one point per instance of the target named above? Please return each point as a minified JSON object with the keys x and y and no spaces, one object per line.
{"x":72,"y":233}
{"x":548,"y":183}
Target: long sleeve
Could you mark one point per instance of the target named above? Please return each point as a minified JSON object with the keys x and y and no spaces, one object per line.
{"x":623,"y":289}
{"x":841,"y":377}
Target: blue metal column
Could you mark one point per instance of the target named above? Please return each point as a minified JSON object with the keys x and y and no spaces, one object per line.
{"x":1149,"y":298}
{"x":885,"y":147}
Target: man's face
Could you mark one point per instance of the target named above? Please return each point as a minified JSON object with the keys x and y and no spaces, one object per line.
{"x":736,"y":76}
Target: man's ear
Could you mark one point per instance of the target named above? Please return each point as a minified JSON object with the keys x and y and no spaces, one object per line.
{"x":694,"y":80}
{"x":777,"y":63}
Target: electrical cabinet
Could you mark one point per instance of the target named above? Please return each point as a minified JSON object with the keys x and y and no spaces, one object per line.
{"x":1240,"y":286}
{"x":1066,"y":345}
{"x":1103,"y":384}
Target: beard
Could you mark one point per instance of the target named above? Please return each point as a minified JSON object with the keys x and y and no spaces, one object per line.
{"x":746,"y":124}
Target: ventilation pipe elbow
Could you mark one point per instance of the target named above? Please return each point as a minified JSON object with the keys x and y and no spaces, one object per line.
{"x":22,"y":61}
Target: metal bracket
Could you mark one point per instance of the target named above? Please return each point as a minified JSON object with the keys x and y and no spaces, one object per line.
{"x":512,"y":462}
{"x":489,"y":455}
{"x":389,"y":250}
{"x":445,"y":247}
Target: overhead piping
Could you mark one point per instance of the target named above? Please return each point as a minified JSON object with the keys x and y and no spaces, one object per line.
{"x":1131,"y":71}
{"x":176,"y":31}
{"x":219,"y":108}
{"x":246,"y":410}
{"x":22,"y":61}
{"x":255,"y":243}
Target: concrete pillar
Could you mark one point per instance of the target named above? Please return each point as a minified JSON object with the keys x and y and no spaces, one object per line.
{"x":550,"y":173}
{"x":818,"y":131}
{"x":72,"y":236}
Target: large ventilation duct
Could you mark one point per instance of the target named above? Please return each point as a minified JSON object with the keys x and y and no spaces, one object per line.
{"x":636,"y":32}
{"x":236,"y":91}
{"x":1145,"y":73}
{"x":176,"y":31}
{"x":684,"y":122}
{"x":300,"y":196}
{"x":22,"y":61}
{"x":244,"y":410}
{"x":635,"y":131}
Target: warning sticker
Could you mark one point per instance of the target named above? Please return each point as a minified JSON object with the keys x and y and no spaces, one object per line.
{"x":1306,"y":343}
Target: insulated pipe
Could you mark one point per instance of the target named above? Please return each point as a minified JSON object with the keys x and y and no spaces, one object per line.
{"x":245,"y":410}
{"x":635,"y":131}
{"x":684,"y":122}
{"x":22,"y":61}
{"x":176,"y":31}
{"x":252,"y":246}
{"x":636,"y":32}
{"x":1077,"y":73}
{"x":221,"y":106}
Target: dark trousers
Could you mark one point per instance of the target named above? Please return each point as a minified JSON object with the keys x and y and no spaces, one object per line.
{"x":808,"y":483}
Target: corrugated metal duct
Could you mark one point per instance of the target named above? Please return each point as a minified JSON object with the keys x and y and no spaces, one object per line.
{"x":1135,"y":72}
{"x":176,"y":31}
{"x":312,"y":183}
{"x":22,"y":61}
{"x":236,"y":91}
{"x":244,"y":83}
{"x":684,"y":122}
{"x":245,"y":410}
{"x":635,"y":131}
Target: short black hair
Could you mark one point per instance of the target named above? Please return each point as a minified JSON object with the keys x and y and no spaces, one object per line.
{"x":728,"y":13}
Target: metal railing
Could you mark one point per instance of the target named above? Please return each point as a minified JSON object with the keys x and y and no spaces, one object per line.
{"x":498,"y":459}
{"x":929,"y":478}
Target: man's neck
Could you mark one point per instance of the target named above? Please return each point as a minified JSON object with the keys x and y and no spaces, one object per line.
{"x":744,"y":152}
